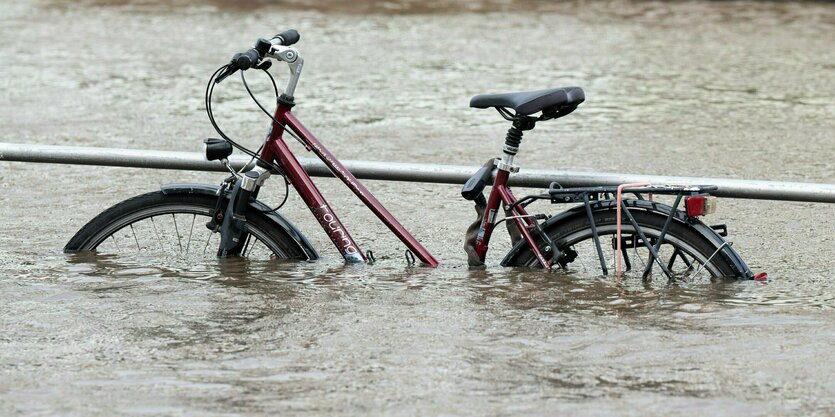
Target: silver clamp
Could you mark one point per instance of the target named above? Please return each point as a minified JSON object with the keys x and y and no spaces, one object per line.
{"x":254,"y":178}
{"x":286,"y":54}
{"x":506,"y":167}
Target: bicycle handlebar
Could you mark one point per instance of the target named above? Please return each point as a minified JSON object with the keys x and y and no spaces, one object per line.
{"x":246,"y":60}
{"x":286,"y":38}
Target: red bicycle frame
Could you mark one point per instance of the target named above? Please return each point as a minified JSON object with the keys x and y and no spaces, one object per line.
{"x":499,"y":195}
{"x":275,"y":149}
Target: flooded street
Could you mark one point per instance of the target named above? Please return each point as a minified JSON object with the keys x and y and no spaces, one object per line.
{"x":716,"y":89}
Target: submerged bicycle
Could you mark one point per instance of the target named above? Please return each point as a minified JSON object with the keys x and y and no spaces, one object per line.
{"x":601,"y":231}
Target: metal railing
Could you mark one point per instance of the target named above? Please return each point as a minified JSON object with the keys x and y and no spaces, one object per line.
{"x":401,"y":171}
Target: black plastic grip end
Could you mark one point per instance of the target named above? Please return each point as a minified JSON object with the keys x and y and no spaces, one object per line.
{"x":288,"y":37}
{"x":247,"y":59}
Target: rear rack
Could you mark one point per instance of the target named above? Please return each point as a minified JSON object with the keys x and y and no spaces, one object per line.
{"x":576,"y":195}
{"x":559,"y":195}
{"x":587,"y":195}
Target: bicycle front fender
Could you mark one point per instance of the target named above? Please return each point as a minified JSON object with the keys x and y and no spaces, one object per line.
{"x":741,"y":268}
{"x":278,"y":220}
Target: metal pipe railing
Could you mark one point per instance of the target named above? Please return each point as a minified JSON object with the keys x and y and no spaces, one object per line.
{"x":401,"y":171}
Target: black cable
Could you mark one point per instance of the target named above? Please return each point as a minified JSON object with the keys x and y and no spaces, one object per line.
{"x":286,"y":194}
{"x":252,"y":96}
{"x":254,"y":155}
{"x":290,"y":132}
{"x":275,"y":89}
{"x":209,"y":92}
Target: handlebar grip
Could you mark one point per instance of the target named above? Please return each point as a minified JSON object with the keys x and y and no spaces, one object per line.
{"x":247,"y":59}
{"x":288,"y":37}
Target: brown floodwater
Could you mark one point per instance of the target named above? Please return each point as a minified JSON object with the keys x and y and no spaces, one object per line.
{"x":724,"y":89}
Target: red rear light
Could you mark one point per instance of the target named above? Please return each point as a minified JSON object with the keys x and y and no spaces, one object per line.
{"x":700,"y":205}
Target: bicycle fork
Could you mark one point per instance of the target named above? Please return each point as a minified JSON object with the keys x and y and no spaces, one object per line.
{"x":233,"y":229}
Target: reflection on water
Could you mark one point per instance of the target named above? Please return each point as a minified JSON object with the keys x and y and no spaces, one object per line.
{"x":681,"y":88}
{"x":282,"y":333}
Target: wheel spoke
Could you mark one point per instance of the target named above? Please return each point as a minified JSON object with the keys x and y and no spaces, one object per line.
{"x":672,"y":260}
{"x":207,"y":243}
{"x":581,"y":258}
{"x":190,"y":232}
{"x":177,"y":232}
{"x":638,"y":255}
{"x":159,"y":240}
{"x":246,"y":244}
{"x":138,"y":248}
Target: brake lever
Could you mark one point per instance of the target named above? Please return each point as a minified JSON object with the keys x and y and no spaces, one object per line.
{"x":227,"y":71}
{"x":264,"y":65}
{"x":231,"y":67}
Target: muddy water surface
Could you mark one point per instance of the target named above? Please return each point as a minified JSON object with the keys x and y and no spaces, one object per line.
{"x":741,"y":90}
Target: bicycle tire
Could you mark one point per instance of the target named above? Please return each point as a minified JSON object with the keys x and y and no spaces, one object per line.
{"x":158,"y":204}
{"x":576,"y":230}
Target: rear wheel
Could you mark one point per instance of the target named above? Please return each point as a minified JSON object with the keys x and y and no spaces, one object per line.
{"x":173,"y":224}
{"x":685,"y":251}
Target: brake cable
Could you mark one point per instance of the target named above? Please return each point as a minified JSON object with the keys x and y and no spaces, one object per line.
{"x":254,"y":155}
{"x":275,"y":87}
{"x":209,"y":92}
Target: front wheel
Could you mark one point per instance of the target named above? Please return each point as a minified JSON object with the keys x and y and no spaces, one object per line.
{"x":685,"y":251}
{"x":165,"y":224}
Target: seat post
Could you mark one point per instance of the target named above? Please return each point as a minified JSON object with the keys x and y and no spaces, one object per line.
{"x":512,"y":141}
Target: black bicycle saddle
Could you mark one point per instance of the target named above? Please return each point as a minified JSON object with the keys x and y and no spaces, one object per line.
{"x":530,"y":102}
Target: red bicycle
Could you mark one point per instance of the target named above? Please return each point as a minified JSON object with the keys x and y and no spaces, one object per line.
{"x":669,"y":237}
